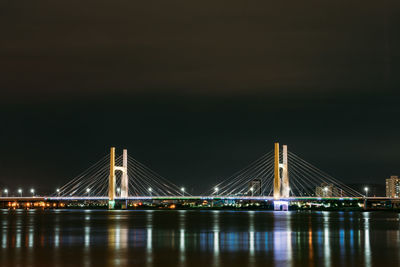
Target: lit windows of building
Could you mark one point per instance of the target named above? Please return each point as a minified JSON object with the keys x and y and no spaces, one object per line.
{"x":328,"y":190}
{"x":393,"y":186}
{"x":255,"y":187}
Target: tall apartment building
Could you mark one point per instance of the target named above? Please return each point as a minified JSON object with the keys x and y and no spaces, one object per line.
{"x":393,"y":186}
{"x":255,"y":187}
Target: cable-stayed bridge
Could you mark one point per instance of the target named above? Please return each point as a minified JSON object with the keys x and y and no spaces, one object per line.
{"x":120,"y":177}
{"x":278,"y":176}
{"x":283,"y":175}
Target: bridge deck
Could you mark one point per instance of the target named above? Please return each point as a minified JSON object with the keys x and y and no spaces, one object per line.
{"x":260,"y":198}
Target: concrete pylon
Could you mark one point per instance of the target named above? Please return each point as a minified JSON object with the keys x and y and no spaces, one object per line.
{"x":112,"y":177}
{"x":281,"y":183}
{"x":124,"y":179}
{"x":285,"y":173}
{"x":277,"y":178}
{"x":111,"y":180}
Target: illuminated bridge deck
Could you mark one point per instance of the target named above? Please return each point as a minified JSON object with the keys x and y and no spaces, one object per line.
{"x":161,"y":198}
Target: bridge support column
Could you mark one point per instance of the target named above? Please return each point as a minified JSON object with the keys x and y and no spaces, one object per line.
{"x":285,"y":173}
{"x":277,"y":178}
{"x":124,"y":179}
{"x":111,"y":180}
{"x":281,"y":182}
{"x":365,"y":204}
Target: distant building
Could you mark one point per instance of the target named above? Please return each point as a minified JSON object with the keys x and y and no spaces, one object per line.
{"x":255,"y":187}
{"x":393,"y":186}
{"x":328,"y":190}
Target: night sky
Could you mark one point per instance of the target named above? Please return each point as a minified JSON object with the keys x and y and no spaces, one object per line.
{"x":196,"y":90}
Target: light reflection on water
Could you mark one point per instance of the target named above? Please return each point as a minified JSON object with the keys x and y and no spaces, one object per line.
{"x":327,"y":248}
{"x":367,"y":249}
{"x":198,"y":238}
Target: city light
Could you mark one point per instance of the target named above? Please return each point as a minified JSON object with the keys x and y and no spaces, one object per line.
{"x":183,"y":190}
{"x":366,"y":191}
{"x":6,"y":192}
{"x":216,"y":190}
{"x":32,"y":191}
{"x":251,"y":190}
{"x":20,"y":192}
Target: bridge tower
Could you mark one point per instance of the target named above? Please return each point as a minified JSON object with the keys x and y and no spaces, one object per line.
{"x":285,"y":173}
{"x":112,"y":177}
{"x":281,"y":185}
{"x":277,"y":178}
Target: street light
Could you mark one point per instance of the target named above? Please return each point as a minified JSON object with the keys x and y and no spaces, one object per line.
{"x":20,"y":192}
{"x":326,"y":191}
{"x":6,"y":192}
{"x":33,"y":192}
{"x":88,"y":191}
{"x":118,"y":190}
{"x":58,"y":191}
{"x":366,"y":191}
{"x":216,"y":190}
{"x":183,"y":191}
{"x":150,"y":190}
{"x":251,"y":189}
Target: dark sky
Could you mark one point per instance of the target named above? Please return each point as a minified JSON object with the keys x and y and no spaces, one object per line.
{"x":198,"y":89}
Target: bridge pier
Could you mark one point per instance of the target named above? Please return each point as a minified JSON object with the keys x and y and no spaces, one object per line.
{"x":365,"y":207}
{"x":281,"y":205}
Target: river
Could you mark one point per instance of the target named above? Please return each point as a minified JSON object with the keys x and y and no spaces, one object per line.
{"x":198,"y":238}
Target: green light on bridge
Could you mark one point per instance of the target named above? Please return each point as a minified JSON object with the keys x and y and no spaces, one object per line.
{"x":111,"y":204}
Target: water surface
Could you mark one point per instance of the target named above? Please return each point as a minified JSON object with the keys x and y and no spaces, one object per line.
{"x":198,"y":238}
